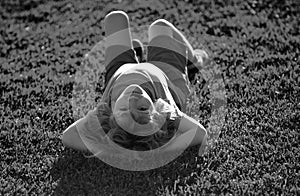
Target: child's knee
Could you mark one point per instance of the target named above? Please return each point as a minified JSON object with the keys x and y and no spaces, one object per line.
{"x":161,"y":22}
{"x":117,"y":19}
{"x":160,"y":27}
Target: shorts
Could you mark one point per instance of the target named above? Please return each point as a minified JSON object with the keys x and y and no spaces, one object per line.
{"x":164,"y":52}
{"x":162,"y":49}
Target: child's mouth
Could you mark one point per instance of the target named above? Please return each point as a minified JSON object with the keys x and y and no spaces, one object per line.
{"x":140,"y":103}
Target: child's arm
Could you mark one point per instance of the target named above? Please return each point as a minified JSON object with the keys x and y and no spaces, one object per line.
{"x":71,"y":138}
{"x":191,"y":133}
{"x":188,"y":124}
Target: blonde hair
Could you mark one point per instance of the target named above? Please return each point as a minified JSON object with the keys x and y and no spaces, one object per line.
{"x":135,"y":142}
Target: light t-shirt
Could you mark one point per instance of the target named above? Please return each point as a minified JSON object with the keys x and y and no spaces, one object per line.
{"x":152,"y":79}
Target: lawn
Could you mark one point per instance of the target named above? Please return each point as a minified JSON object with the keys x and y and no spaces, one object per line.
{"x":254,"y":43}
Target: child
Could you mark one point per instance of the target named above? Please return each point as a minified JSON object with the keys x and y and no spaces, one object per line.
{"x":142,"y":107}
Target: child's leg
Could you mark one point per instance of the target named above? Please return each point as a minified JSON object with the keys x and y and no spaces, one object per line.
{"x":170,"y":54}
{"x":117,"y":31}
{"x":194,"y":57}
{"x":118,"y":42}
{"x":164,"y":27}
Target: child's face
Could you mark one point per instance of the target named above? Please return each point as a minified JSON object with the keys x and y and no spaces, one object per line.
{"x":134,"y":103}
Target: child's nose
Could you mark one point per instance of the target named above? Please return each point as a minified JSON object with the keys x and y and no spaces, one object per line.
{"x":140,"y":103}
{"x":132,"y":104}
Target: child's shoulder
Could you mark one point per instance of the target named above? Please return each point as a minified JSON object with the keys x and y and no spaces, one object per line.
{"x":125,"y":68}
{"x":145,"y":66}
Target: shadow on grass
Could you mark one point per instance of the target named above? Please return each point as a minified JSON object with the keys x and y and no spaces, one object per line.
{"x":77,"y":175}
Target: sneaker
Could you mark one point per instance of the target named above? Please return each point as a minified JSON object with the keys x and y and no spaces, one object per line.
{"x":202,"y":58}
{"x":200,"y":61}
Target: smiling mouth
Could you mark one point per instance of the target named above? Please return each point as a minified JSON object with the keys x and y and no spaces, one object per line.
{"x":142,"y":104}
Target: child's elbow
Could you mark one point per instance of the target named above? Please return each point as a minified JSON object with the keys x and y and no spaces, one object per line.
{"x":68,"y":136}
{"x":65,"y":138}
{"x":72,"y":139}
{"x":201,"y":133}
{"x":202,"y":141}
{"x":200,"y":136}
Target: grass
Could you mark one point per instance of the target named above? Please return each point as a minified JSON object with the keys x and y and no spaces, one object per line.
{"x":255,"y":44}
